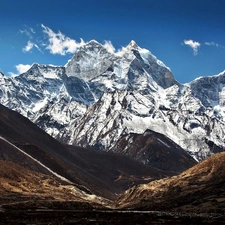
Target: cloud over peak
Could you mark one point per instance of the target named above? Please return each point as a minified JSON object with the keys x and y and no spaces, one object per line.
{"x":21,"y":68}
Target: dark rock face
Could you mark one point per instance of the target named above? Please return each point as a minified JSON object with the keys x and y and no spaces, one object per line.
{"x":155,"y":150}
{"x":78,"y":90}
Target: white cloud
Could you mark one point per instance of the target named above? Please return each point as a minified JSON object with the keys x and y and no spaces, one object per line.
{"x":193,"y":44}
{"x":29,"y":32}
{"x":109,"y":47}
{"x":21,"y":68}
{"x":30,"y":45}
{"x":58,"y":43}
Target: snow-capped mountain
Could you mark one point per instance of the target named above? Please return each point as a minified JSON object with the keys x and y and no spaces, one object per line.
{"x":133,"y":68}
{"x":100,"y":96}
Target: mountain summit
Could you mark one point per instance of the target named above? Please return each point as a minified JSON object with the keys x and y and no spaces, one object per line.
{"x":94,"y":63}
{"x":101,"y":97}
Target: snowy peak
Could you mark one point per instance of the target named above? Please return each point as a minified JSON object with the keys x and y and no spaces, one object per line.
{"x":132,"y":45}
{"x":46,"y":71}
{"x":152,"y":66}
{"x":118,"y":71}
{"x":92,"y":43}
{"x":211,"y":91}
{"x":145,"y":53}
{"x":89,"y":61}
{"x":1,"y":74}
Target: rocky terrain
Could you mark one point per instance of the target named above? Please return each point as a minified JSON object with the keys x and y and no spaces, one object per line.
{"x":152,"y":148}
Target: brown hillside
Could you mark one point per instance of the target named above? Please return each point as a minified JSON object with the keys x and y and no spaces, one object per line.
{"x":198,"y":189}
{"x":18,"y":184}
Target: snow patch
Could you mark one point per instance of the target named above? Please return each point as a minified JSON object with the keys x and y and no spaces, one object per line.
{"x":163,"y":143}
{"x":39,"y":105}
{"x":41,"y":164}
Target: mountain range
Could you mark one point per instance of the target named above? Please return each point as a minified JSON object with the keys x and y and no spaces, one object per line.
{"x":99,"y":98}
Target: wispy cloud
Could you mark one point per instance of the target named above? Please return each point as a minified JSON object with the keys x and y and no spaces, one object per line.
{"x":60,"y":44}
{"x":30,"y":45}
{"x":28,"y":31}
{"x":21,"y":68}
{"x":55,"y":43}
{"x":212,"y":43}
{"x":193,"y":44}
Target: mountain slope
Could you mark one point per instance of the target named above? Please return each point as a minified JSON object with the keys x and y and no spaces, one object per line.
{"x":124,"y":112}
{"x":99,"y":173}
{"x":198,"y":189}
{"x":18,"y":184}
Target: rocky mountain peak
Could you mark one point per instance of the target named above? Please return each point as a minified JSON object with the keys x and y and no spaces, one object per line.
{"x":91,"y":60}
{"x":132,"y":45}
{"x":211,"y":91}
{"x":1,"y":74}
{"x":91,"y":47}
{"x":93,"y":43}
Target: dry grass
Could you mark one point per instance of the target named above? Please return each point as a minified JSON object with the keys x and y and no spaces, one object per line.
{"x":200,"y":188}
{"x":19,"y":184}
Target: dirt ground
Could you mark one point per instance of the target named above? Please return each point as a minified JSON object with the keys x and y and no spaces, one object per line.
{"x":44,"y":216}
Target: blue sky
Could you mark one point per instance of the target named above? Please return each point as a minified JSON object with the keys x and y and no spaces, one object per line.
{"x":187,"y":35}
